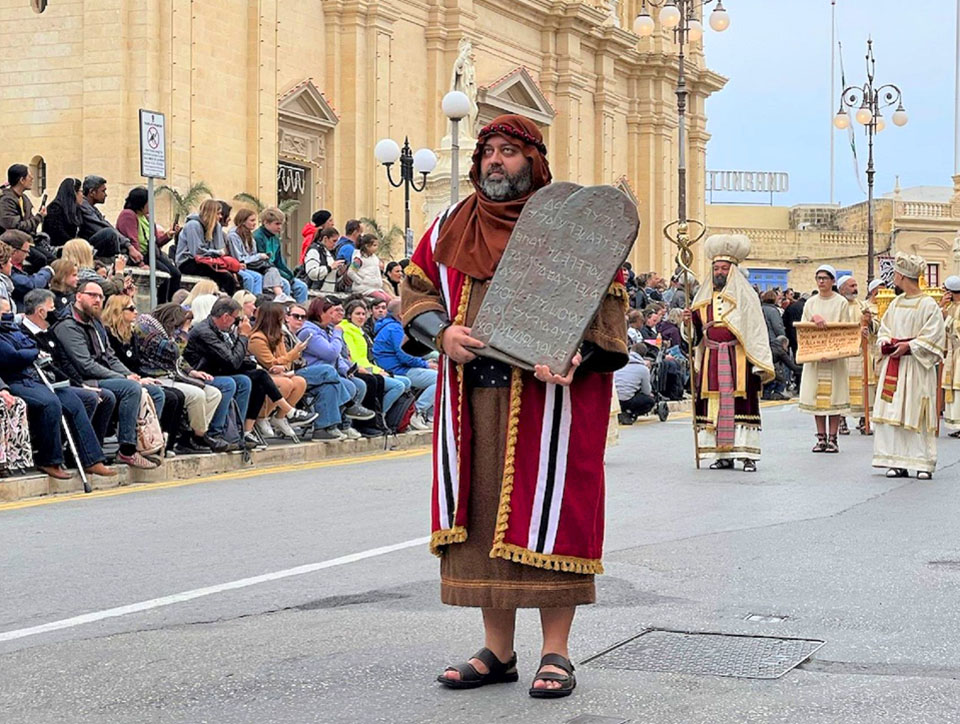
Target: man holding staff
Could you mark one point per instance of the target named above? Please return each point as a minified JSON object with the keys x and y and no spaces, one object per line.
{"x":517,"y":513}
{"x":732,"y":358}
{"x":825,"y":384}
{"x":859,"y":381}
{"x":912,"y":338}
{"x":950,"y":303}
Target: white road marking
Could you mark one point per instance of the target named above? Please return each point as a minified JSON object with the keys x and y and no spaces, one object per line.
{"x":207,"y":591}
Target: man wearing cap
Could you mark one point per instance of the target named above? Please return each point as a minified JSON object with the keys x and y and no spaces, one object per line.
{"x":950,"y":303}
{"x":859,"y":311}
{"x":912,"y":338}
{"x":517,"y":508}
{"x":732,"y":358}
{"x":825,"y":384}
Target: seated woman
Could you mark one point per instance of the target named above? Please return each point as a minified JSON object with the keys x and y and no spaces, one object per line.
{"x":62,"y":222}
{"x":248,"y":305}
{"x":204,"y":286}
{"x":119,"y":314}
{"x":365,"y":267}
{"x":133,"y":223}
{"x":202,"y":238}
{"x":259,"y":274}
{"x":160,"y":358}
{"x":80,"y":253}
{"x":268,"y":347}
{"x":325,"y":344}
{"x":360,"y":345}
{"x":63,"y":285}
{"x":18,"y":352}
{"x":16,"y":454}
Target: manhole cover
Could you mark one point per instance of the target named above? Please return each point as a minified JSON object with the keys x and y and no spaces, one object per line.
{"x":709,"y":654}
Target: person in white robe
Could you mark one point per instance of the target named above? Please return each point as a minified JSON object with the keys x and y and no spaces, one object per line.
{"x":912,"y":339}
{"x":950,"y":303}
{"x":859,"y":312}
{"x":825,"y":384}
{"x":731,"y":358}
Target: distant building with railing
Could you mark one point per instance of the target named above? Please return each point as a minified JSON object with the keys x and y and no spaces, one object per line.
{"x":789,"y":243}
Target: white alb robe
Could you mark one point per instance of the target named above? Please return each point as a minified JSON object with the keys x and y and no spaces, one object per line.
{"x":951,"y":369}
{"x":825,"y":386}
{"x":906,"y":421}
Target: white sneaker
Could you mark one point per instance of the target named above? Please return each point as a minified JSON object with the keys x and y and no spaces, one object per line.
{"x":265,"y":429}
{"x":417,"y":422}
{"x":351,"y":434}
{"x":282,"y":425}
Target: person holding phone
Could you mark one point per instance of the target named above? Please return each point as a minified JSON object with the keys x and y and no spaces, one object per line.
{"x":16,"y":213}
{"x":133,"y":224}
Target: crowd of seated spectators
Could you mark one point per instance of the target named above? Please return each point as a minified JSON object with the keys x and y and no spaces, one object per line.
{"x":254,"y":351}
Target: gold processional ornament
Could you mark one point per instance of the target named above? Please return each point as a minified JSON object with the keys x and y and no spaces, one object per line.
{"x":886,"y":295}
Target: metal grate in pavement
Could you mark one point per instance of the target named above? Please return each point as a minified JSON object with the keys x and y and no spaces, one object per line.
{"x":708,"y":654}
{"x":594,"y":719}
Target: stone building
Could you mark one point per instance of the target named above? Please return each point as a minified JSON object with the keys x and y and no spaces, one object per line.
{"x":271,"y":97}
{"x":789,"y":243}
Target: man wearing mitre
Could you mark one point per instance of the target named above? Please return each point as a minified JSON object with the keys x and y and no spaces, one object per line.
{"x":912,"y":339}
{"x":732,"y":358}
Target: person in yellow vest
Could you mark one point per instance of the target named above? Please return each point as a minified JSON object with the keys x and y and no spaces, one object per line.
{"x":858,"y":312}
{"x":950,"y":304}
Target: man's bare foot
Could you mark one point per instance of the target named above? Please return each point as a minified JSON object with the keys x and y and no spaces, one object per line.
{"x":541,"y":684}
{"x":481,"y":667}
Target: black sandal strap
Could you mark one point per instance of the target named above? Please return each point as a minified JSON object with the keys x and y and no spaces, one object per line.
{"x":561,"y":662}
{"x":493,"y":664}
{"x":467,"y":671}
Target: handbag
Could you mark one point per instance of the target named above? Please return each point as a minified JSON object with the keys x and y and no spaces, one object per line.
{"x":149,"y":435}
{"x":219,"y":263}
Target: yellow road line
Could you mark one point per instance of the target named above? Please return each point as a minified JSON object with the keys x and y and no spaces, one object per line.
{"x":234,"y":475}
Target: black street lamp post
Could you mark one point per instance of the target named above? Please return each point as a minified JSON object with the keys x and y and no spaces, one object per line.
{"x":423,"y":162}
{"x":869,"y":100}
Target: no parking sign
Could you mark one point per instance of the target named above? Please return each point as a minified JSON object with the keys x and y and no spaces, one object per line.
{"x":153,"y":145}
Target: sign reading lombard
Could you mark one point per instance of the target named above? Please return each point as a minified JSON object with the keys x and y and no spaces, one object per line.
{"x":771,"y":182}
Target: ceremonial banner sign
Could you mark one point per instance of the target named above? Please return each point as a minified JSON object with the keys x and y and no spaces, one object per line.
{"x":835,"y":341}
{"x":562,"y":256}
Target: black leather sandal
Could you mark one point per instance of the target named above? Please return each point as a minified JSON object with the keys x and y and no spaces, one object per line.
{"x":821,"y":445}
{"x":749,"y":466}
{"x":568,"y":682}
{"x":498,"y":672}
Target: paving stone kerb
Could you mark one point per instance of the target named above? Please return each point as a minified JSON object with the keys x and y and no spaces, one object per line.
{"x":184,"y":467}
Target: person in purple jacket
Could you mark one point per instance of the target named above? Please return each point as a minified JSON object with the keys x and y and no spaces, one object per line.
{"x":387,"y":353}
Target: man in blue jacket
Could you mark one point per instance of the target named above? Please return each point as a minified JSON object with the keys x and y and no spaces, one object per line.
{"x":19,"y":242}
{"x":387,"y":353}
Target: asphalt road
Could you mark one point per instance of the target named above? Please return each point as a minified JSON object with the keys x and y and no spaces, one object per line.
{"x":309,"y":596}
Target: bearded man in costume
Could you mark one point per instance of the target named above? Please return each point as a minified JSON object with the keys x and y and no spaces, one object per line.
{"x":912,"y":339}
{"x":732,"y":359}
{"x":858,"y":311}
{"x":518,"y":487}
{"x":950,"y":303}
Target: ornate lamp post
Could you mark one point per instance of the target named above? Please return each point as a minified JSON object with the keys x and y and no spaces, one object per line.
{"x":456,"y":107}
{"x":680,"y":16}
{"x":388,"y":152}
{"x":869,"y":100}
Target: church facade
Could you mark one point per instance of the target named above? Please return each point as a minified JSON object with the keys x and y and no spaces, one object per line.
{"x":286,"y":100}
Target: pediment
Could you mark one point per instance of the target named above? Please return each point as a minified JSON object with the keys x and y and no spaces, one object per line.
{"x":623,"y":185}
{"x":516,"y":92}
{"x":306,"y":107}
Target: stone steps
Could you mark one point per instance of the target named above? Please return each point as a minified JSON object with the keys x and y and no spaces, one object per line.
{"x":184,"y":467}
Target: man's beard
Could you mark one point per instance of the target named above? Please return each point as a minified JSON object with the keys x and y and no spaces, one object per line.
{"x":897,"y":290}
{"x":719,"y":281}
{"x":508,"y":188}
{"x":89,"y":312}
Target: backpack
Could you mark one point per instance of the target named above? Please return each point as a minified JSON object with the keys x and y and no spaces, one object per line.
{"x":233,"y":429}
{"x":149,"y":435}
{"x":398,"y":416}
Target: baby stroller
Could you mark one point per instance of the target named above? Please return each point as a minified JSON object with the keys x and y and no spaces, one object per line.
{"x":658,"y":380}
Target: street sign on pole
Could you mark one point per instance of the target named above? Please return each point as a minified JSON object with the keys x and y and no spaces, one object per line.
{"x":153,"y":164}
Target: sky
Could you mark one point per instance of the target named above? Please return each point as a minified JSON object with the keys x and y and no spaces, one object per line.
{"x":775,"y":112}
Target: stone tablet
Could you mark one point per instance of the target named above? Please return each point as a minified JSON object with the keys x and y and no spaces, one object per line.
{"x":563,"y":254}
{"x":835,"y":341}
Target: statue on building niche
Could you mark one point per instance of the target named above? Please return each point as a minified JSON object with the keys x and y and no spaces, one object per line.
{"x":463,"y":78}
{"x":956,"y":254}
